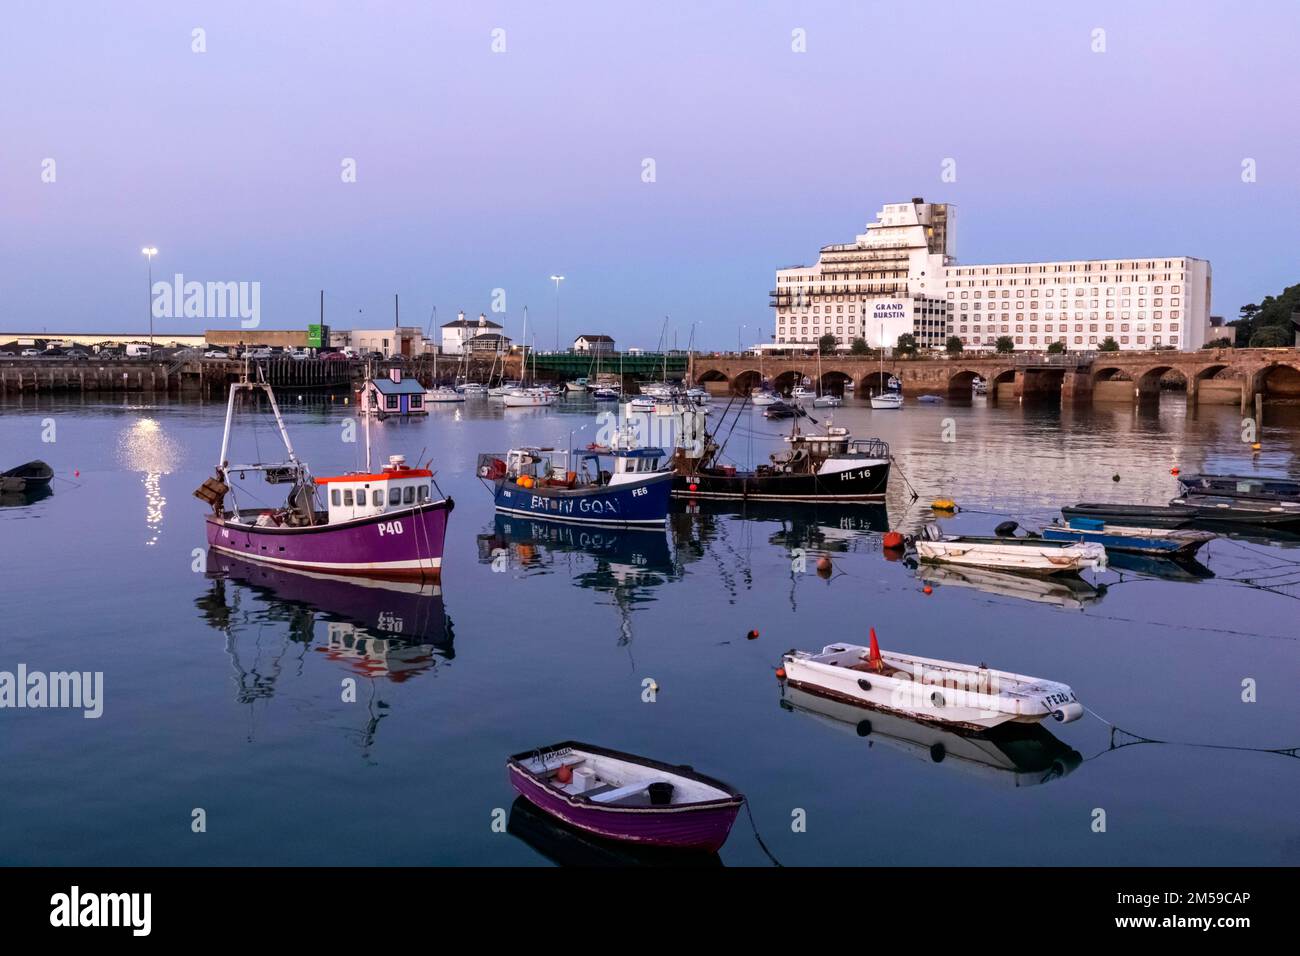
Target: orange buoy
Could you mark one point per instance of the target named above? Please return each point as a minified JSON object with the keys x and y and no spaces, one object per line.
{"x":752,"y":635}
{"x":564,"y":774}
{"x":1173,"y":470}
{"x":892,"y":539}
{"x":780,"y":673}
{"x":824,"y":566}
{"x":927,"y":589}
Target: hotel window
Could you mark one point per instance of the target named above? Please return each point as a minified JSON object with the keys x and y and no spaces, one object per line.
{"x":1110,"y":328}
{"x":1092,"y":340}
{"x":1141,"y":339}
{"x":1173,"y":327}
{"x":1123,"y":327}
{"x":1078,"y":340}
{"x":1020,"y":340}
{"x":1155,"y":314}
{"x":1173,"y":314}
{"x":1033,"y":340}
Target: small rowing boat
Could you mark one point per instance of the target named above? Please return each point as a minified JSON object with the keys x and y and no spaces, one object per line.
{"x":27,"y":478}
{"x":938,"y":692}
{"x":1259,"y":513}
{"x":1160,"y":542}
{"x":1141,"y":516}
{"x":1026,"y":555}
{"x":621,"y":796}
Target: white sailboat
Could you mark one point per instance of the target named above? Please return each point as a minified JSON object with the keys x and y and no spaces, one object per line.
{"x":892,"y":395}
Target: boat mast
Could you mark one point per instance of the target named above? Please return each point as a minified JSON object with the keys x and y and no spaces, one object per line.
{"x":235,"y":389}
{"x":366,"y":391}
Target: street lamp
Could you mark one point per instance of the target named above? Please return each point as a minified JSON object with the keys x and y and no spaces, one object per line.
{"x":557,"y":280}
{"x":149,"y":252}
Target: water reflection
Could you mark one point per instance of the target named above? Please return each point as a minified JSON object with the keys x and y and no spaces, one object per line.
{"x":819,"y":528}
{"x":1012,"y":755}
{"x":568,"y":846}
{"x":378,"y":631}
{"x":628,"y":564}
{"x":145,"y":447}
{"x":20,"y":499}
{"x":1067,"y":591}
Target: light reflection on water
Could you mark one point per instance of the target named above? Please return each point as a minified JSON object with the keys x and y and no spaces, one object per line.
{"x":225,"y":683}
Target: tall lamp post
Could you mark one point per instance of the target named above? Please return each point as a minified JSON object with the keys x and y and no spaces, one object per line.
{"x":149,"y":252}
{"x":557,"y":280}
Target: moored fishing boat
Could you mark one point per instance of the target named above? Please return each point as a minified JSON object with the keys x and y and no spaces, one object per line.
{"x":829,"y":467}
{"x":761,"y":398}
{"x":1160,"y":542}
{"x":578,"y":385}
{"x":621,"y":796}
{"x":887,"y":400}
{"x":1143,"y":516}
{"x":1025,"y":555}
{"x":563,"y":485}
{"x":390,"y":523}
{"x":974,"y":697}
{"x":1241,"y":486}
{"x":528,"y":398}
{"x":1259,"y":513}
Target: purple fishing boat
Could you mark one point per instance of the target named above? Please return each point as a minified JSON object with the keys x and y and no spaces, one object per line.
{"x":389,"y":523}
{"x":622,"y":796}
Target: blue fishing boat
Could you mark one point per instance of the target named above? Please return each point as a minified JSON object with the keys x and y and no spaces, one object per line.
{"x":577,"y":487}
{"x":1160,"y":542}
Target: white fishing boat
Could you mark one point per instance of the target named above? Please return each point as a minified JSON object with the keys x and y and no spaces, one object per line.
{"x":472,"y":388}
{"x":761,"y":398}
{"x":1026,"y":555}
{"x":500,"y":391}
{"x":577,"y":385}
{"x":974,"y":697}
{"x":606,"y":394}
{"x":657,"y":390}
{"x":442,"y":394}
{"x":801,"y":393}
{"x":827,"y":401}
{"x":978,"y":386}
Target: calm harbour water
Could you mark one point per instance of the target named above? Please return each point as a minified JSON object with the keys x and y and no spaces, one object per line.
{"x":223,"y":684}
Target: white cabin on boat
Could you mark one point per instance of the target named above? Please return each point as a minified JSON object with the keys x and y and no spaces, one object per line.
{"x":398,"y":487}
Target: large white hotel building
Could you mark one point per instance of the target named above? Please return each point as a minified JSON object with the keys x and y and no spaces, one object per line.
{"x":901,"y":275}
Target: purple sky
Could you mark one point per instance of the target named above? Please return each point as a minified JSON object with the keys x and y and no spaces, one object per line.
{"x":478,"y":170}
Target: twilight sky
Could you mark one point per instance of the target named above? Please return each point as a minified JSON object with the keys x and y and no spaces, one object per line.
{"x":478,"y":170}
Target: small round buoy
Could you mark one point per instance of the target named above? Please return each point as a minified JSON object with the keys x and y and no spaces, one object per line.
{"x":694,"y":487}
{"x":1256,"y":447}
{"x":927,"y":589}
{"x":864,"y":728}
{"x":943,"y":504}
{"x":824,"y":567}
{"x":564,"y":774}
{"x":780,"y":673}
{"x":76,"y":473}
{"x":892,"y":539}
{"x":752,"y":635}
{"x":1173,"y":470}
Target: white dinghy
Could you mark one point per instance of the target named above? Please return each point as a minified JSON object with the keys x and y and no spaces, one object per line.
{"x":939,"y":692}
{"x":1026,"y":555}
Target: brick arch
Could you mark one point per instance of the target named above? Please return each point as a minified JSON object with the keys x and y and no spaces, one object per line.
{"x":1266,"y":379}
{"x":1212,"y":369}
{"x":1111,"y":373}
{"x":712,"y":375}
{"x":1150,"y":377}
{"x":745,"y":381}
{"x":788,"y":379}
{"x":833,"y":380}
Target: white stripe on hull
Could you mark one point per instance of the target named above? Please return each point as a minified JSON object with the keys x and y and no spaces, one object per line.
{"x":415,"y":564}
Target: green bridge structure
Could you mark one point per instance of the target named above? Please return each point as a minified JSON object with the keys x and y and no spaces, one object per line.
{"x":641,"y":366}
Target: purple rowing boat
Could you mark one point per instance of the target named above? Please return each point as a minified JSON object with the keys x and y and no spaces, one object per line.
{"x":621,"y":796}
{"x":387,"y":523}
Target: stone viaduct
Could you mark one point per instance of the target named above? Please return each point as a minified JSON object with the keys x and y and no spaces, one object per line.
{"x":1219,"y":376}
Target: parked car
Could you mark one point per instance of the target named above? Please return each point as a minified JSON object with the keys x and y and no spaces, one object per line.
{"x":4,"y":354}
{"x":215,"y":353}
{"x":31,"y":353}
{"x":336,"y":357}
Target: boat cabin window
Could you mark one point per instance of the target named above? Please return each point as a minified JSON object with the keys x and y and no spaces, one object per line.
{"x":336,"y":497}
{"x":378,"y":498}
{"x":347,"y":497}
{"x":408,"y":494}
{"x":424,"y":493}
{"x":394,"y":496}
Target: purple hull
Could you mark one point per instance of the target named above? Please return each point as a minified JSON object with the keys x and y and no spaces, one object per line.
{"x":699,"y":826}
{"x":397,"y":544}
